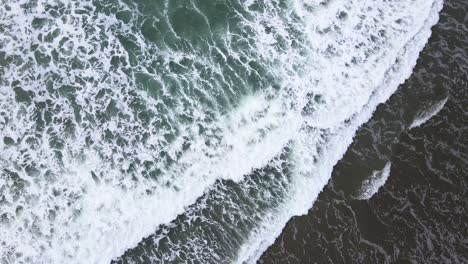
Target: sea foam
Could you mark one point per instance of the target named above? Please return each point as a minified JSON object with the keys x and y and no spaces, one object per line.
{"x":424,"y":115}
{"x":372,"y":184}
{"x":110,"y":128}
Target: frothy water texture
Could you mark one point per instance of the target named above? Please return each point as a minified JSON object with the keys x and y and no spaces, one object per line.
{"x":123,"y":119}
{"x":372,"y":184}
{"x":424,"y":115}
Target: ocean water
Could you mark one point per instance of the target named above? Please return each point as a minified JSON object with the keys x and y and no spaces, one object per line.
{"x":185,"y":131}
{"x":420,"y":134}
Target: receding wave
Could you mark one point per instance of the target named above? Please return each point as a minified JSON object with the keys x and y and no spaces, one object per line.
{"x":125,"y":119}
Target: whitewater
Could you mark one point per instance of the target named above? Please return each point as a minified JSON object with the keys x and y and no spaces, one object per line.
{"x":121,"y":120}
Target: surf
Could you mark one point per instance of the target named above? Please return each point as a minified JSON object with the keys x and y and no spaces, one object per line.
{"x":120,"y":117}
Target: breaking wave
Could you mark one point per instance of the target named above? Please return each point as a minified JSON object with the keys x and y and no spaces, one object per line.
{"x":116,"y":116}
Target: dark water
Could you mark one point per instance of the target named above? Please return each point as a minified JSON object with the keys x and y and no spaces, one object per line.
{"x":420,"y":214}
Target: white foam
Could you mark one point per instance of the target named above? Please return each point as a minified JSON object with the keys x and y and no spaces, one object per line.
{"x":89,"y":205}
{"x":426,"y":114}
{"x":372,"y":184}
{"x":90,"y":209}
{"x":312,"y":177}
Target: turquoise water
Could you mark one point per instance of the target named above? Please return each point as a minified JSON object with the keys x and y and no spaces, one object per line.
{"x":183,"y":131}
